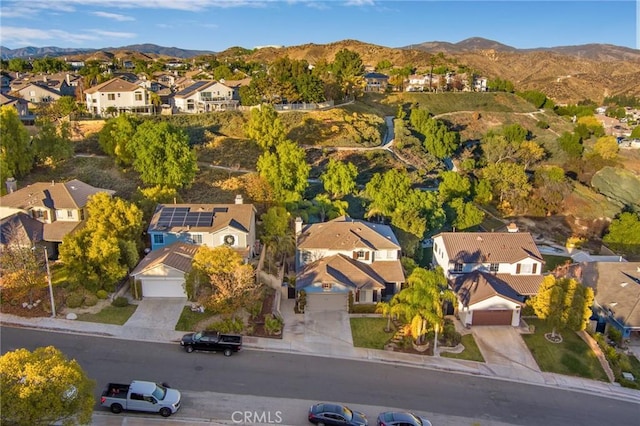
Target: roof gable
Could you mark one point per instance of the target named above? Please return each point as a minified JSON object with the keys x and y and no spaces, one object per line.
{"x":202,"y":217}
{"x":477,"y":286}
{"x":346,"y":234}
{"x":617,"y":288}
{"x":178,"y":256}
{"x":340,"y":269}
{"x":113,"y":86}
{"x":55,"y":195}
{"x":489,"y":247}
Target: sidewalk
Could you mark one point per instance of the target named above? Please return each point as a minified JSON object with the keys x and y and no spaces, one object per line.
{"x":294,"y":341}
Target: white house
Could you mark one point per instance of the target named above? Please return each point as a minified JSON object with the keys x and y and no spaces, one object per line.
{"x":119,"y":96}
{"x":345,"y":256}
{"x":208,"y":95}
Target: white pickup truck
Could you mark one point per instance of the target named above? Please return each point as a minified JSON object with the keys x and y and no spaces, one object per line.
{"x":141,"y":396}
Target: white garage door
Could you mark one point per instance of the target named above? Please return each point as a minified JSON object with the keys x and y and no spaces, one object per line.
{"x":322,"y":302}
{"x":162,"y":288}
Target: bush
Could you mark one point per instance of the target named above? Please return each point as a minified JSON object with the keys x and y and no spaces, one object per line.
{"x":74,"y":300}
{"x":228,"y":325}
{"x":120,"y":302}
{"x":542,"y":124}
{"x":272,"y":324}
{"x":102,"y":294}
{"x":90,"y":300}
{"x":363,"y":309}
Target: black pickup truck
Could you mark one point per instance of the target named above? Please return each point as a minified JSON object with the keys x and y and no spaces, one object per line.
{"x":212,"y":341}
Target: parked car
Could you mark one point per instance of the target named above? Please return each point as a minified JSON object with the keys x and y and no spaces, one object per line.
{"x":336,"y":414}
{"x":141,"y":396}
{"x":401,"y":418}
{"x":212,"y":341}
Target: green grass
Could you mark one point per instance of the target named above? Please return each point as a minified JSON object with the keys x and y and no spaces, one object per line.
{"x":572,"y":357}
{"x":552,"y":261}
{"x":471,"y":351}
{"x":189,"y":319}
{"x":110,"y":315}
{"x":440,"y":103}
{"x":369,"y":332}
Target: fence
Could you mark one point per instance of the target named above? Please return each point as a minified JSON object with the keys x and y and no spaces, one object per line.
{"x":272,"y":281}
{"x":303,"y":106}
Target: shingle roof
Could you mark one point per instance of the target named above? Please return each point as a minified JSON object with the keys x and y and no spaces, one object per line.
{"x":194,"y":87}
{"x":617,"y":288}
{"x":375,"y":75}
{"x":495,"y":247}
{"x":341,"y":269}
{"x":20,"y":228}
{"x":477,"y":286}
{"x":56,"y":195}
{"x":526,"y":285}
{"x":114,"y":85}
{"x":57,"y":230}
{"x":176,"y":255}
{"x":10,"y":100}
{"x":344,"y":233}
{"x":238,"y":216}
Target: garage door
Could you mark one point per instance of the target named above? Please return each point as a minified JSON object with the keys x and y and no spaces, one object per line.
{"x":162,"y":288}
{"x":321,"y":302}
{"x":493,"y":317}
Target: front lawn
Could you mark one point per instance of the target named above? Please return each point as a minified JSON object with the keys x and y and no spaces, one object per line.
{"x":471,"y":351}
{"x":110,"y":315}
{"x":572,"y":357}
{"x":189,"y":319}
{"x":369,"y":332}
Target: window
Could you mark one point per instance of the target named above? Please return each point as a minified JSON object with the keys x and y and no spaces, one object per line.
{"x":526,"y":268}
{"x":360,"y":255}
{"x":158,"y":239}
{"x":494,"y":267}
{"x":138,"y":96}
{"x":111,"y":96}
{"x":326,"y":286}
{"x":197,"y":238}
{"x":458,"y":267}
{"x":306,"y":256}
{"x":70,"y":214}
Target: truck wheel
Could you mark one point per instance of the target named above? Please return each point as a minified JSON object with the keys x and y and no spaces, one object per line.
{"x":116,"y":408}
{"x":228,"y":352}
{"x":189,"y":349}
{"x":165,"y":412}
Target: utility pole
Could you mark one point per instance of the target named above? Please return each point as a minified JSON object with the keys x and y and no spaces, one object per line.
{"x":53,"y":303}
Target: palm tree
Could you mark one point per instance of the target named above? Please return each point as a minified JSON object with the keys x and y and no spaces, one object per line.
{"x":387,"y":309}
{"x":421,"y":303}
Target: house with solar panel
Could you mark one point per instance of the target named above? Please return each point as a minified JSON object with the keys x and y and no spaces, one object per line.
{"x":213,"y":225}
{"x":208,"y":95}
{"x":492,"y":273}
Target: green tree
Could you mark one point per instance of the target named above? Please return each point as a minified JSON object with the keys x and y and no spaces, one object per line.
{"x":482,"y":192}
{"x":339,"y":178}
{"x":606,"y":147}
{"x":466,"y":214}
{"x":115,"y":138}
{"x":496,"y":148}
{"x":453,"y":185}
{"x":310,"y":88}
{"x":509,"y":180}
{"x":326,"y":208}
{"x":439,"y":141}
{"x":515,"y":133}
{"x":163,"y":155}
{"x":44,"y":387}
{"x":264,"y":126}
{"x":386,"y":190}
{"x":552,"y":187}
{"x":16,"y":153}
{"x":147,"y":199}
{"x":276,"y":224}
{"x":49,"y":65}
{"x":286,"y":171}
{"x":22,"y":272}
{"x":624,"y":233}
{"x":18,"y":65}
{"x":635,"y":133}
{"x":348,"y":68}
{"x":52,"y":143}
{"x":571,"y":143}
{"x":418,"y":212}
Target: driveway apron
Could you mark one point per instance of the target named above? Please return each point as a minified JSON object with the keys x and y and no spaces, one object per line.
{"x":161,"y":313}
{"x":503,"y":345}
{"x":329,"y":327}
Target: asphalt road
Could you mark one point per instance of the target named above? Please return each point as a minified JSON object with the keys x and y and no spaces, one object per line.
{"x":291,"y":377}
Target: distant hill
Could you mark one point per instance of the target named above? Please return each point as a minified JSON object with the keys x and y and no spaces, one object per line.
{"x":151,"y":49}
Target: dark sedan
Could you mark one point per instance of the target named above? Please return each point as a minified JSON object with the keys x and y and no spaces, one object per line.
{"x":335,"y":414}
{"x":400,"y":418}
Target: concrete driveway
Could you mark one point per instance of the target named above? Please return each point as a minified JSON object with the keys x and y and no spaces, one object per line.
{"x":161,"y":313}
{"x":331,"y":327}
{"x":503,"y":345}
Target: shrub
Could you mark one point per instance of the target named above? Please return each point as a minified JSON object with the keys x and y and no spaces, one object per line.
{"x":542,"y":124}
{"x":615,"y":335}
{"x":90,"y":300}
{"x":363,"y":309}
{"x":272,"y":324}
{"x":74,"y":300}
{"x":120,"y":302}
{"x":228,"y":325}
{"x":102,"y":294}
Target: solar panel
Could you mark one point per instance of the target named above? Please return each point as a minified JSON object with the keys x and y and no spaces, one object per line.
{"x":195,"y":86}
{"x":220,"y":209}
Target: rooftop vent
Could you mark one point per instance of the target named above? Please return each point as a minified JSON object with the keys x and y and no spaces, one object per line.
{"x":624,"y":284}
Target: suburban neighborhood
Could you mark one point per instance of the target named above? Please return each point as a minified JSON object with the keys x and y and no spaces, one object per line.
{"x":377,"y":215}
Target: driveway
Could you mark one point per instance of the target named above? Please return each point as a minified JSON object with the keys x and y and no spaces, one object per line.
{"x":503,"y":345}
{"x":331,"y":327}
{"x":161,"y":313}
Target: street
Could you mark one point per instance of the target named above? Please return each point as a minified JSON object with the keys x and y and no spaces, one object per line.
{"x":294,"y":380}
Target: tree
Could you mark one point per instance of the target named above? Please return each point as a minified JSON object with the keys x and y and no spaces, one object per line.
{"x":163,"y":155}
{"x":265,"y":127}
{"x":606,"y":147}
{"x":624,"y":233}
{"x":515,"y":133}
{"x":552,"y":187}
{"x":229,"y":277}
{"x":418,"y":213}
{"x":387,"y":309}
{"x":453,"y":185}
{"x":530,"y":153}
{"x":16,"y":153}
{"x":44,"y":387}
{"x":277,"y":229}
{"x":438,"y":140}
{"x":466,"y":214}
{"x":509,"y":180}
{"x":563,"y":303}
{"x":52,"y":144}
{"x":326,"y":208}
{"x":339,"y":178}
{"x":421,"y":302}
{"x":147,"y":199}
{"x":115,"y":138}
{"x":21,"y":270}
{"x":386,"y":190}
{"x":286,"y":171}
{"x":18,"y":65}
{"x":635,"y":133}
{"x":571,"y":143}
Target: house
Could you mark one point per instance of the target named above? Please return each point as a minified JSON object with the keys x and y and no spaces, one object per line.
{"x":162,"y":272}
{"x":346,"y":256}
{"x":617,"y":294}
{"x":119,"y":96}
{"x":19,"y":229}
{"x":376,"y":82}
{"x":5,"y":82}
{"x":492,"y":273}
{"x":208,"y":95}
{"x":49,"y":86}
{"x":36,"y":93}
{"x":211,"y":225}
{"x":19,"y":104}
{"x":59,"y":206}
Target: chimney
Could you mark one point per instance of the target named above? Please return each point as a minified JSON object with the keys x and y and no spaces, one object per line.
{"x":239,"y":199}
{"x":12,"y":185}
{"x":512,"y":227}
{"x":68,"y":78}
{"x":44,"y":78}
{"x":298,"y":227}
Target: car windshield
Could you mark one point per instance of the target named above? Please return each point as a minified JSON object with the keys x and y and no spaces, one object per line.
{"x":348,"y":414}
{"x":197,"y":336}
{"x":159,"y":392}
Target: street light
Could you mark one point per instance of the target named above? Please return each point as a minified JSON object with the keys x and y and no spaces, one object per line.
{"x":53,"y":303}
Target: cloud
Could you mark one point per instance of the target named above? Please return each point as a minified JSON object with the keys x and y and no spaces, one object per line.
{"x":113,"y":34}
{"x":31,"y":36}
{"x":114,"y":16}
{"x":360,"y":3}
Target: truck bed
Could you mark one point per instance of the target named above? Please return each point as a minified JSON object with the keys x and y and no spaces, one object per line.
{"x":116,"y":390}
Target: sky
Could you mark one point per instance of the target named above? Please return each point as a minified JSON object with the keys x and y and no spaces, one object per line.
{"x":216,"y":25}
